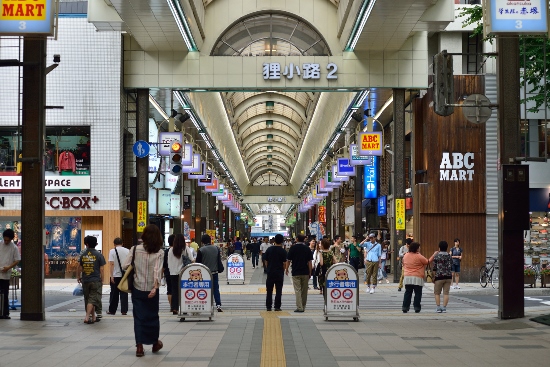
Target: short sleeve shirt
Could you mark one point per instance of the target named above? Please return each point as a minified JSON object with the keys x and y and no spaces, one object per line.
{"x":91,"y":260}
{"x":122,"y":253}
{"x":456,"y":252}
{"x":276,"y":258}
{"x":300,"y":255}
{"x":8,"y":255}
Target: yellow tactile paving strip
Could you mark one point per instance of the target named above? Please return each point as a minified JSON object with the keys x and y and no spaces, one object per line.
{"x":273,"y":350}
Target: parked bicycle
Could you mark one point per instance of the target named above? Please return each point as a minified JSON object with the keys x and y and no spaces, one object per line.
{"x":489,"y":273}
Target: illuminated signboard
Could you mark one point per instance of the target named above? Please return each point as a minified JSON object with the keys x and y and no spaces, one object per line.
{"x":24,"y":17}
{"x":370,"y":143}
{"x":344,"y":168}
{"x":382,"y":206}
{"x":516,"y":16}
{"x":370,"y":180}
{"x":358,"y":160}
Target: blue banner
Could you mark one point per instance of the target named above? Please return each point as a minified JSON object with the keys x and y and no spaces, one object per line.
{"x":341,"y":283}
{"x":382,"y":206}
{"x":198,"y":284}
{"x":370,"y":179}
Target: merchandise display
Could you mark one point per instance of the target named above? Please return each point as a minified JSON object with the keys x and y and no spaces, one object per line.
{"x":536,"y":241}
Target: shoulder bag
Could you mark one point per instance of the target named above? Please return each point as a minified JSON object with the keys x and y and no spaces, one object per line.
{"x":127,"y":282}
{"x":221,"y":268}
{"x":429,"y":273}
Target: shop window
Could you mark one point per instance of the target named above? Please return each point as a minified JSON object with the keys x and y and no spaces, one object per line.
{"x":66,"y":160}
{"x":63,"y":246}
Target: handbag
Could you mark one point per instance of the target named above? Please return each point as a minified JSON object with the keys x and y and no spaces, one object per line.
{"x":127,"y":282}
{"x":380,"y":275}
{"x":429,"y":274}
{"x":221,"y":268}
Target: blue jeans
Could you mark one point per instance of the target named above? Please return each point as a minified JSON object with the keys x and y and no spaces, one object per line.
{"x":383,"y":263}
{"x":216,"y":289}
{"x":255,"y":259}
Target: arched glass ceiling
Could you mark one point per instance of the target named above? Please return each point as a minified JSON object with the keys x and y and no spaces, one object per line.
{"x":271,"y":34}
{"x":288,"y":113}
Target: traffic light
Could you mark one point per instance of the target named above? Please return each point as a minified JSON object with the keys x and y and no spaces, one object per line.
{"x":443,"y":83}
{"x":176,"y":155}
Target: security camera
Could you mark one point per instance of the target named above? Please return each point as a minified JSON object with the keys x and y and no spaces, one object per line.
{"x":57,"y":59}
{"x":387,"y":146}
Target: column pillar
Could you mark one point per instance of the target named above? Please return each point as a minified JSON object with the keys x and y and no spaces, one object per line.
{"x":329,"y":215}
{"x":227,"y":222}
{"x":198,"y":209}
{"x":398,"y":165}
{"x":341,"y":217}
{"x":358,"y":201}
{"x":32,"y":193}
{"x":142,"y":164}
{"x":510,"y":255}
{"x":220,"y":219}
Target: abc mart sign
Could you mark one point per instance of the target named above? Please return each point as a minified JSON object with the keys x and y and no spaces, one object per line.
{"x":26,"y":17}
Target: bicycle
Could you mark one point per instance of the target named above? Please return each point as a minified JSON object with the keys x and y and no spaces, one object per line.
{"x":489,"y":273}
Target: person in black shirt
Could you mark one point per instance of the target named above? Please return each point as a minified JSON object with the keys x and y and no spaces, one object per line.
{"x":275,"y":258}
{"x":301,"y":257}
{"x":254,"y":248}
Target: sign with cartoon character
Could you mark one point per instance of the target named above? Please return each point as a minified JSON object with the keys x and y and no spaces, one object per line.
{"x":196,"y":291}
{"x":235,"y":268}
{"x":342,"y":287}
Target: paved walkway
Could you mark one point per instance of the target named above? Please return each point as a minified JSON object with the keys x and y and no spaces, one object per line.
{"x":469,"y":335}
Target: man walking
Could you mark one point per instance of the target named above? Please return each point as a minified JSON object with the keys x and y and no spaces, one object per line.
{"x":117,"y":256}
{"x":90,"y":274}
{"x":402,"y":251}
{"x":372,"y":262}
{"x":9,"y":257}
{"x":254,"y":247}
{"x":300,"y":257}
{"x":238,"y":246}
{"x":275,"y":258}
{"x":208,"y":255}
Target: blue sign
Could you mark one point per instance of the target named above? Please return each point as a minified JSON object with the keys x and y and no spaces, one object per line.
{"x":141,"y":149}
{"x":342,"y":284}
{"x":370,"y":179}
{"x":518,"y":17}
{"x":27,"y":17}
{"x":195,"y":284}
{"x":382,"y":206}
{"x":344,"y":167}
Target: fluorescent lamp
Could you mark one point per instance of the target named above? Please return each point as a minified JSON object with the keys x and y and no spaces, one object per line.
{"x":179,"y":16}
{"x":386,"y":105}
{"x":208,"y":143}
{"x":194,"y":121}
{"x":159,"y":109}
{"x":362,"y":96}
{"x":346,"y":123}
{"x":366,"y":10}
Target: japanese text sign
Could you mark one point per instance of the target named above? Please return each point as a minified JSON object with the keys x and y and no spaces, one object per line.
{"x":370,"y":179}
{"x":400,"y":214}
{"x":382,"y":206}
{"x":23,"y":17}
{"x":235,"y":268}
{"x":344,"y":167}
{"x":141,"y":216}
{"x":370,"y":143}
{"x":165,"y":140}
{"x":196,"y":289}
{"x":274,"y":71}
{"x":516,"y":16}
{"x":342,"y":289}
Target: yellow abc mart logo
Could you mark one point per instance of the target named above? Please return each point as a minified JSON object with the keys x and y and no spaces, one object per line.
{"x":23,"y":10}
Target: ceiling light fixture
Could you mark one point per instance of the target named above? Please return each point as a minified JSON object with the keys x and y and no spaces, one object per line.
{"x":179,"y":16}
{"x":159,"y":109}
{"x":360,"y":22}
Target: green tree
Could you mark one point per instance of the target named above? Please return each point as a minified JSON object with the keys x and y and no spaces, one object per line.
{"x":532,"y":59}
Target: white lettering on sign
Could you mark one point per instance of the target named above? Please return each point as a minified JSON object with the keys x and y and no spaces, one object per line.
{"x":456,"y":167}
{"x":272,"y":71}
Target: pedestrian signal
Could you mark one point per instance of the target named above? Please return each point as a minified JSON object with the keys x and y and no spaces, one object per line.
{"x":176,"y":155}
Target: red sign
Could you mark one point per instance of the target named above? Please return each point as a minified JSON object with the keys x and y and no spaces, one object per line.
{"x":323,"y":214}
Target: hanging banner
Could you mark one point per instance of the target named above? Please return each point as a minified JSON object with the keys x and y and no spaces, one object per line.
{"x":370,"y":143}
{"x":382,"y":206}
{"x":400,"y":214}
{"x":323,"y":214}
{"x":141,"y":216}
{"x":344,"y":167}
{"x":195,"y":166}
{"x":355,"y":159}
{"x":336,"y":176}
{"x":27,"y":17}
{"x":370,"y":180}
{"x":207,"y":180}
{"x":213,"y":187}
{"x":235,"y":268}
{"x":199,"y":175}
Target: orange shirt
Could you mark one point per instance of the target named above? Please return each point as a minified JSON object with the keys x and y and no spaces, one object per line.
{"x":414,"y":264}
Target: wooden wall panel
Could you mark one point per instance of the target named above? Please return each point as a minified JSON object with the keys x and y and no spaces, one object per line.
{"x":436,"y":134}
{"x":470,"y":228}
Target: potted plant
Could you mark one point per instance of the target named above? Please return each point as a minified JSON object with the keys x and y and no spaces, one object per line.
{"x":544,"y":277}
{"x":14,"y":278}
{"x":529,"y":276}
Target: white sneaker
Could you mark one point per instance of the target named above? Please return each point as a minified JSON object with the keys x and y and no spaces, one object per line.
{"x":371,"y":290}
{"x":387,"y":281}
{"x":453,"y":287}
{"x":368,"y":290}
{"x":457,"y":287}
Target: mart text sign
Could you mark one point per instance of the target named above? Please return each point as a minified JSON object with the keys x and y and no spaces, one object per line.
{"x":370,"y":143}
{"x":26,"y":17}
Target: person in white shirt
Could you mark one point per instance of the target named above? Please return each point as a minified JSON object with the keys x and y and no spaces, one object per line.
{"x":179,"y":255}
{"x":263,"y":248}
{"x":117,"y":256}
{"x":9,"y":258}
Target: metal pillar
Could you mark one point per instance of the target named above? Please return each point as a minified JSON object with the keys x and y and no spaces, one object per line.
{"x":227,"y":223}
{"x":211,"y":211}
{"x":341,"y":217}
{"x":198,"y":209}
{"x":358,"y":201}
{"x":329,"y":216}
{"x":32,"y":194}
{"x":398,"y":163}
{"x":142,"y":164}
{"x":220,"y":219}
{"x":510,"y":240}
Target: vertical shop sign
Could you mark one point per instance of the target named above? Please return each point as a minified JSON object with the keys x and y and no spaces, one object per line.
{"x":322,"y":214}
{"x":370,"y":179}
{"x":141,"y":216}
{"x":382,"y":206}
{"x":400,"y":214}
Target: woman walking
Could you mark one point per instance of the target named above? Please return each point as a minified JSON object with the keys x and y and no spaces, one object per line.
{"x":145,"y":295}
{"x":414,"y":266}
{"x":314,"y":246}
{"x":178,"y":256}
{"x":326,"y":260}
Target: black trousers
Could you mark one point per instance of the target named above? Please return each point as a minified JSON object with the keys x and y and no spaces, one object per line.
{"x":116,"y":294}
{"x":175,"y":306}
{"x":409,"y":288}
{"x":277,"y":281}
{"x":5,"y":290}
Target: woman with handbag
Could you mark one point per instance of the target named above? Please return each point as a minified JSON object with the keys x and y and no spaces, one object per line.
{"x":147,"y":260}
{"x":179,"y":256}
{"x":414,"y":267}
{"x":314,"y":246}
{"x":327,"y":259}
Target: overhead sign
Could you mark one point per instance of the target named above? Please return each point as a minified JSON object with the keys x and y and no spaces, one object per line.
{"x":336,"y":176}
{"x":400,"y":214}
{"x":52,"y":183}
{"x":141,"y":149}
{"x":274,"y":71}
{"x":199,"y":175}
{"x":370,"y":143}
{"x":235,"y":268}
{"x":25,"y":17}
{"x":195,"y":166}
{"x":165,"y":141}
{"x":355,"y":159}
{"x":516,"y":16}
{"x":370,"y":180}
{"x":207,"y":180}
{"x":382,"y":206}
{"x":345,"y":168}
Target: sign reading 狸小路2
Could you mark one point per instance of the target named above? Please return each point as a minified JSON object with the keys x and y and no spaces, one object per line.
{"x":274,"y":71}
{"x":24,"y":17}
{"x":516,"y":16}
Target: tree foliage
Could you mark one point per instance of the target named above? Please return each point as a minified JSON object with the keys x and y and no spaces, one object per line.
{"x":532,"y":57}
